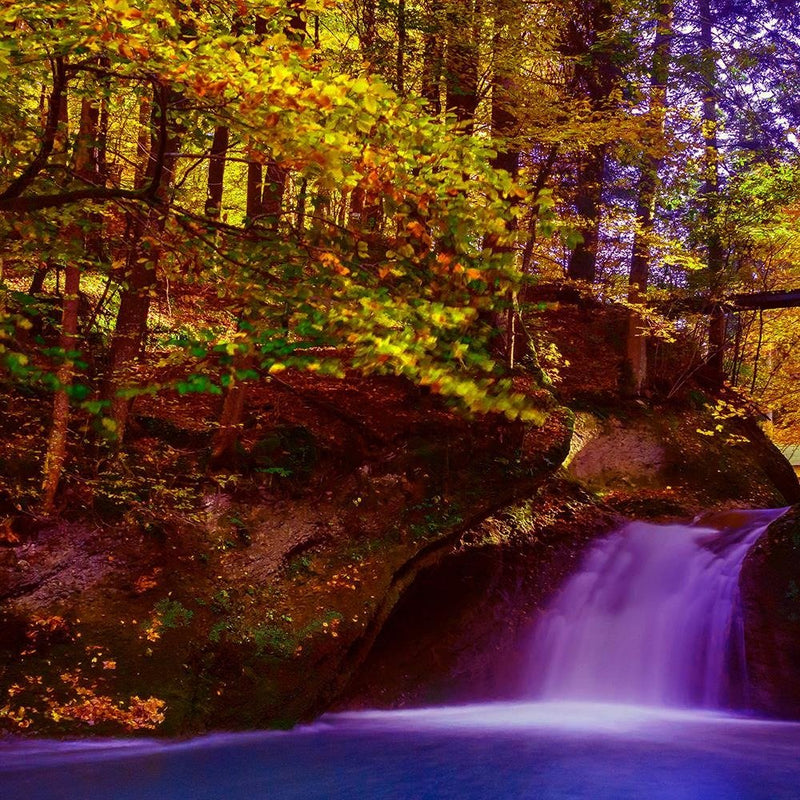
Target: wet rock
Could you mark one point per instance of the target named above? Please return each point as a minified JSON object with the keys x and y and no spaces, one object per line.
{"x":770,"y":585}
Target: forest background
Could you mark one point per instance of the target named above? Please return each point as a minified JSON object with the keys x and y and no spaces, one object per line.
{"x":196,"y":197}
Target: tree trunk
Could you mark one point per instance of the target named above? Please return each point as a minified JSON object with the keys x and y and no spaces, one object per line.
{"x":273,"y":192}
{"x":588,"y":203}
{"x":143,"y":141}
{"x":646,"y":194}
{"x":140,"y":278}
{"x":541,"y":180}
{"x":433,"y":57}
{"x":504,"y":127}
{"x":216,"y":171}
{"x":230,"y":422}
{"x":86,"y":167}
{"x":37,"y":282}
{"x":399,"y":76}
{"x":300,"y":206}
{"x":590,"y":44}
{"x":266,"y":185}
{"x":715,"y":252}
{"x":368,"y":31}
{"x":56,"y":453}
{"x":254,"y":183}
{"x":462,"y":62}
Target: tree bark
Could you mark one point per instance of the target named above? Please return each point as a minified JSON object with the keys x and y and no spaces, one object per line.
{"x":266,"y":185}
{"x":399,"y":79}
{"x":711,"y":194}
{"x":646,"y":194}
{"x":368,"y":33}
{"x":589,"y":43}
{"x":433,"y":57}
{"x":56,"y":453}
{"x":504,"y":128}
{"x":461,"y":63}
{"x":140,"y":277}
{"x":86,"y":167}
{"x":216,"y":171}
{"x":541,"y":180}
{"x":230,"y":421}
{"x":143,"y":141}
{"x":588,"y":203}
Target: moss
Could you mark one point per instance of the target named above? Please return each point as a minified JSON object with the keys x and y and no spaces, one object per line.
{"x":172,"y":613}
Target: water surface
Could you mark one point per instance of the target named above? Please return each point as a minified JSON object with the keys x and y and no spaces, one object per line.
{"x":541,"y":751}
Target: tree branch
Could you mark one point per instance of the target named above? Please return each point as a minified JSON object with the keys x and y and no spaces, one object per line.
{"x":18,"y":186}
{"x":96,"y":194}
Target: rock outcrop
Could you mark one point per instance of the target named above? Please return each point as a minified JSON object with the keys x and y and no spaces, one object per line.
{"x":770,"y":585}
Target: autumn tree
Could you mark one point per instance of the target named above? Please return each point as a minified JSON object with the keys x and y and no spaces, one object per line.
{"x":401,"y":289}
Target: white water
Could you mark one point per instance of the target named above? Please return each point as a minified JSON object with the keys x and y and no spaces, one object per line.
{"x":652,"y":617}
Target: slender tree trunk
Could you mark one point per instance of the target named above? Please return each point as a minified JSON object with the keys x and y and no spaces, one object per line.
{"x":55,"y":143}
{"x":461,"y":63}
{"x":757,"y":359}
{"x":399,"y":79}
{"x":737,"y":351}
{"x":140,"y":278}
{"x":102,"y":137}
{"x":86,"y":167}
{"x":255,"y":171}
{"x":646,"y":194}
{"x":715,"y":252}
{"x":216,"y":171}
{"x":57,"y":441}
{"x":504,"y":127}
{"x":541,"y":180}
{"x":56,"y":452}
{"x":368,"y":31}
{"x":230,"y":418}
{"x":596,"y":75}
{"x":266,"y":184}
{"x":300,"y":208}
{"x":143,"y":141}
{"x":433,"y":57}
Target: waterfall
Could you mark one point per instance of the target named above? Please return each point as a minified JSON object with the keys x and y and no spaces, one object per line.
{"x":652,"y":617}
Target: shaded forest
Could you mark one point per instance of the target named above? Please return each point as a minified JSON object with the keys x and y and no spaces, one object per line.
{"x":196,"y":197}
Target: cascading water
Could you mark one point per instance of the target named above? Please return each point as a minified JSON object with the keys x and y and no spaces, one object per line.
{"x":652,"y":617}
